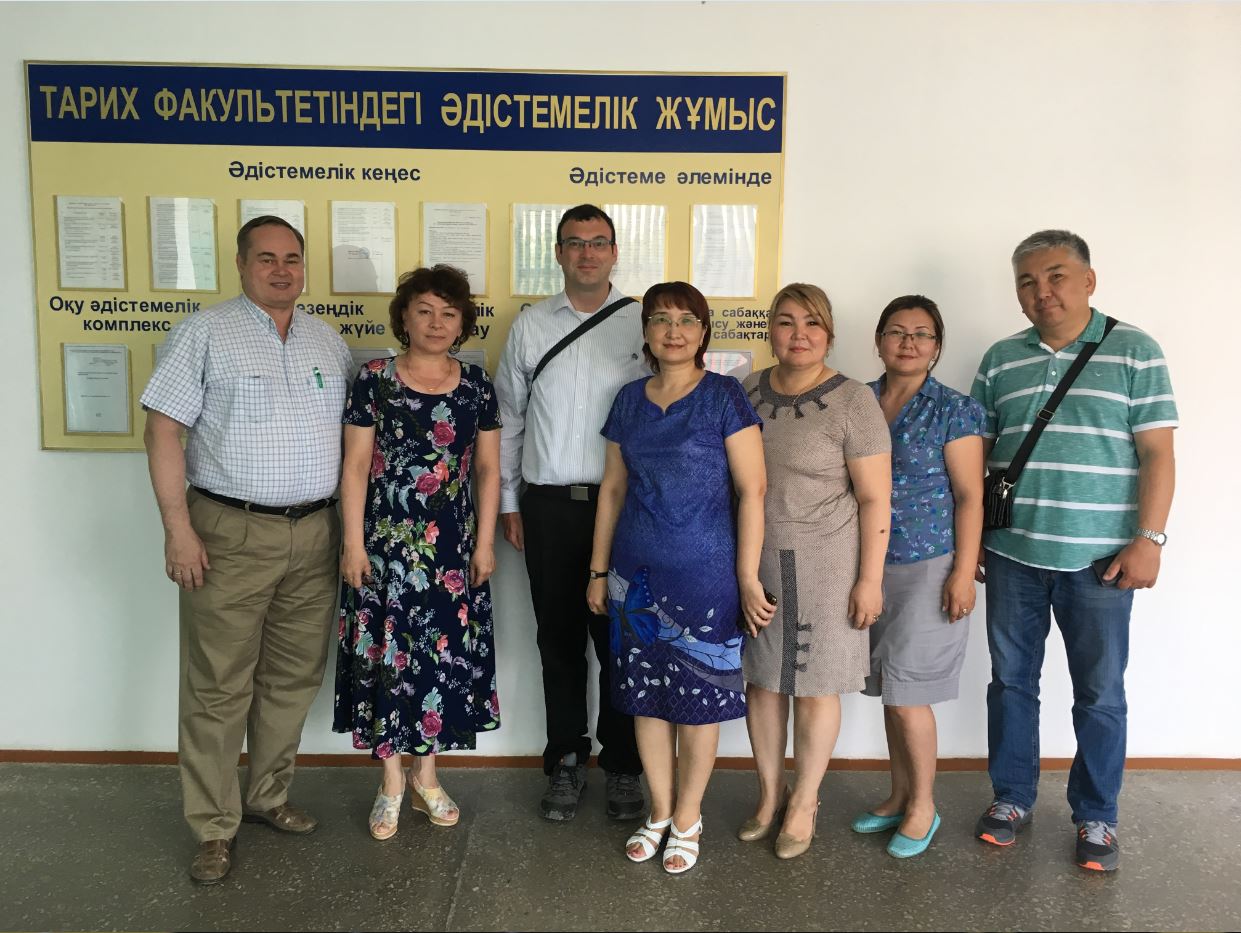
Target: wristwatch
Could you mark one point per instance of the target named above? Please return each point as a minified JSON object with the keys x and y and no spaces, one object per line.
{"x":598,"y":575}
{"x":1157,"y":536}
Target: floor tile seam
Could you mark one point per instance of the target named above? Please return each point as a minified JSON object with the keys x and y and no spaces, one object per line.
{"x":456,"y":890}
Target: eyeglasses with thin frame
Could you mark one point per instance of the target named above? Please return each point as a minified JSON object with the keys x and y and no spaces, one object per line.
{"x":685,"y":321}
{"x":577,"y":244}
{"x":919,"y":337}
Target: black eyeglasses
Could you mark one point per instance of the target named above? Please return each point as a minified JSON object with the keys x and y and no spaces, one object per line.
{"x":577,"y":244}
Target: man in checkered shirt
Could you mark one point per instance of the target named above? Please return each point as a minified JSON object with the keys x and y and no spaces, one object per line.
{"x":258,"y":388}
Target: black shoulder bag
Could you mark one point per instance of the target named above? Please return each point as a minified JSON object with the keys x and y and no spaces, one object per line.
{"x":593,"y":321}
{"x":997,"y":499}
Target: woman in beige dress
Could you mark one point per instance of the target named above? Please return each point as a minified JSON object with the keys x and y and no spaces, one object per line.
{"x":829,"y":483}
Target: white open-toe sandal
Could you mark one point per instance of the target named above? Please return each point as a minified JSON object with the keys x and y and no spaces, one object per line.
{"x":680,"y":844}
{"x":649,"y":836}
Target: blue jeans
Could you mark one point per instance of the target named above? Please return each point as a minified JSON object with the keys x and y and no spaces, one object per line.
{"x":1094,"y":621}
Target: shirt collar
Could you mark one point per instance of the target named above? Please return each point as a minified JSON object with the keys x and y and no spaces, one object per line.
{"x":931,"y":388}
{"x":563,"y":303}
{"x":1093,"y":332}
{"x":265,"y":319}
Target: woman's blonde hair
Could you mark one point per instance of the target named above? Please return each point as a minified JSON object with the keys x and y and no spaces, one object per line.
{"x":812,"y":299}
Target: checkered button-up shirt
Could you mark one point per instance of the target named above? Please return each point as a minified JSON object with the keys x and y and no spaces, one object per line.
{"x":264,"y":414}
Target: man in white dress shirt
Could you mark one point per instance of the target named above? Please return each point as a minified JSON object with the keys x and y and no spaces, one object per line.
{"x":551,"y":441}
{"x":254,"y":543}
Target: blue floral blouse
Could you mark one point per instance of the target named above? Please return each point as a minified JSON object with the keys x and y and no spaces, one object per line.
{"x":923,"y":509}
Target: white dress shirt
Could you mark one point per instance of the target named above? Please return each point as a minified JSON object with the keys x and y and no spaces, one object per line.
{"x":551,"y":434}
{"x":263,"y":413}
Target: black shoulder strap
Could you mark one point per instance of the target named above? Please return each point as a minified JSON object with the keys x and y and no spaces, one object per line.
{"x":593,"y":321}
{"x":1046,"y":413}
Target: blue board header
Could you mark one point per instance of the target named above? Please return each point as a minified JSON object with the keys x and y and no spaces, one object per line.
{"x":212,"y":105}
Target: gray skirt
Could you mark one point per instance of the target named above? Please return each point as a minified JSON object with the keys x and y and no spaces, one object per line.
{"x":916,"y":654}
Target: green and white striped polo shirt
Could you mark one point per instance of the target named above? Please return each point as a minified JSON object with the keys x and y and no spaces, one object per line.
{"x":1076,"y":499}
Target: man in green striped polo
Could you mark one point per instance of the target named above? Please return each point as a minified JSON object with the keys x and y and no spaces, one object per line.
{"x":1098,"y":485}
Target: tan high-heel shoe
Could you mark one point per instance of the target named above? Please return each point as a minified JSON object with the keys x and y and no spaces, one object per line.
{"x":789,"y":846}
{"x":752,"y":830}
{"x":434,"y":803}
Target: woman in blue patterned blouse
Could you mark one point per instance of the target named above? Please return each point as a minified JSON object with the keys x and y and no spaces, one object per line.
{"x":918,"y":644}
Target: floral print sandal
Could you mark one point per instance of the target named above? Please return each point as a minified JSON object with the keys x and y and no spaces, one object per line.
{"x":434,"y":802}
{"x":385,"y":813}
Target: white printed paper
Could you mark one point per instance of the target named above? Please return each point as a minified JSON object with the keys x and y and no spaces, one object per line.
{"x":724,"y":248}
{"x":183,"y":255}
{"x":736,"y":363}
{"x":363,"y":247}
{"x":90,"y":241}
{"x":456,"y":234}
{"x":96,"y":389}
{"x":535,"y":270}
{"x":641,"y":244}
{"x":292,"y":212}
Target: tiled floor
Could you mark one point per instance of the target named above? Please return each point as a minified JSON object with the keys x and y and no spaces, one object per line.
{"x":104,"y":848}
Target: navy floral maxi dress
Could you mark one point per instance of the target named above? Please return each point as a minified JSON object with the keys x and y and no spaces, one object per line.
{"x":415,"y":661}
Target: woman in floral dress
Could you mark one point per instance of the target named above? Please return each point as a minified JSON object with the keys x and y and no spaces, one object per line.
{"x":415,"y":670}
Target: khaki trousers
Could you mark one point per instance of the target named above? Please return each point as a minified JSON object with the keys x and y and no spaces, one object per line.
{"x":254,"y":640}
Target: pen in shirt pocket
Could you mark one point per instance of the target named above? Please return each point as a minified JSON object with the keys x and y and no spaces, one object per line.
{"x":318,"y":377}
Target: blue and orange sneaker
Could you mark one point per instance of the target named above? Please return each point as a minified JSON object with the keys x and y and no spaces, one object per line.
{"x":1098,"y":849}
{"x":1001,"y":823}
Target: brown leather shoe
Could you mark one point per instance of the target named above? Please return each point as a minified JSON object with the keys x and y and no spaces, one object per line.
{"x":286,"y":818}
{"x":212,"y":862}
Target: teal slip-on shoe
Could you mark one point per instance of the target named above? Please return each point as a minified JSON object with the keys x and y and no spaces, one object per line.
{"x":902,"y":846}
{"x":874,"y":823}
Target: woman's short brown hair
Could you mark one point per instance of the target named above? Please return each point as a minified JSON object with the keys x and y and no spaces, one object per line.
{"x":680,"y":295}
{"x":443,"y":281}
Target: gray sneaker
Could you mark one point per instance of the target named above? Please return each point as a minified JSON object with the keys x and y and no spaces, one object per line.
{"x":625,"y":800}
{"x":1001,"y":822}
{"x":564,"y":788}
{"x":1097,"y":846}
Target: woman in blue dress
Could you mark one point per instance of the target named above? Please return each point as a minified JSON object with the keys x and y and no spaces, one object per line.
{"x":415,"y":669}
{"x":670,"y":566}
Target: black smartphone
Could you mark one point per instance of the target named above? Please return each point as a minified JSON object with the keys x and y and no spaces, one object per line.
{"x":767,"y":596}
{"x":1100,"y":568}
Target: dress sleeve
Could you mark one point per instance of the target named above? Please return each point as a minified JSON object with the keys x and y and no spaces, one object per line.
{"x":736,"y":412}
{"x":488,"y":404}
{"x":983,"y":394}
{"x":963,"y":417}
{"x":362,"y":409}
{"x":616,"y":425}
{"x":866,"y":430}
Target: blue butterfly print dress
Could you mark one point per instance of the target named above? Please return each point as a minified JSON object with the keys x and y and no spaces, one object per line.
{"x":675,"y":643}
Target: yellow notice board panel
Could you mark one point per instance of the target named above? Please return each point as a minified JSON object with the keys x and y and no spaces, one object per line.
{"x":141,"y":172}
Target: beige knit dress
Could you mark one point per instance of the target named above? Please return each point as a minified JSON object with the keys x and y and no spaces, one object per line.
{"x":810,"y":545}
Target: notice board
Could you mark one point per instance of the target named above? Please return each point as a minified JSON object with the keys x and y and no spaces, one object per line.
{"x":142,"y":173}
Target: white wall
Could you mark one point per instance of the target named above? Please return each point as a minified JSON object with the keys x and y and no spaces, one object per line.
{"x":923,"y":142}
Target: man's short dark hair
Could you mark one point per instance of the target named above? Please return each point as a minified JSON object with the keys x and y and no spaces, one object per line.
{"x":1052,"y":239}
{"x":584,"y":212}
{"x":266,"y":220}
